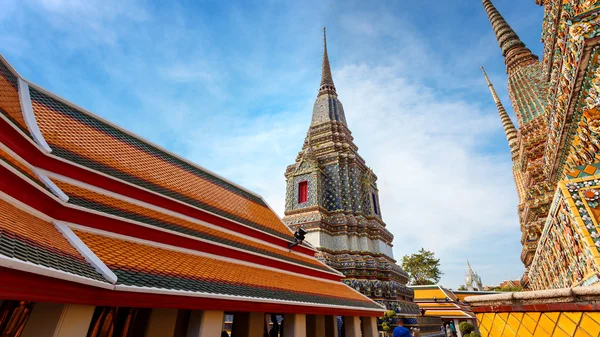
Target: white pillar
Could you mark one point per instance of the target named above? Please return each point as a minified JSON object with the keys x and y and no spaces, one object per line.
{"x":331,"y":327}
{"x":162,"y":322}
{"x":207,"y":323}
{"x":352,"y":326}
{"x":457,"y":329}
{"x":294,"y":325}
{"x":58,"y":320}
{"x":369,"y":327}
{"x":315,"y":325}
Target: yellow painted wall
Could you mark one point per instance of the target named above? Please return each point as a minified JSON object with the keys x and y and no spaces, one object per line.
{"x":527,"y":324}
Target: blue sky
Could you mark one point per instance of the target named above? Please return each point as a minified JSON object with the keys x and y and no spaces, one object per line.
{"x":230,"y":85}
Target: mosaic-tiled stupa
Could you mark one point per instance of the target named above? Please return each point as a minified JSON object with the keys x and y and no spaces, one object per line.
{"x":333,"y":195}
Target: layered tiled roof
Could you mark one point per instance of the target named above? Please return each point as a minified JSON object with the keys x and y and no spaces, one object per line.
{"x":10,"y":106}
{"x":181,"y":229}
{"x":19,"y":166}
{"x":96,"y":201}
{"x":439,"y":301}
{"x":147,"y":266}
{"x":29,"y":239}
{"x":86,"y":140}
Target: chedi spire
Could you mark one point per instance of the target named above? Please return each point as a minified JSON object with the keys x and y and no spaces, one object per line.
{"x":513,"y":49}
{"x":327,"y":86}
{"x":507,"y":123}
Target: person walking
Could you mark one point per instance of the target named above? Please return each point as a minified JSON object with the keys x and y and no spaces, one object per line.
{"x":448,"y":331}
{"x":453,"y":329}
{"x":401,"y":331}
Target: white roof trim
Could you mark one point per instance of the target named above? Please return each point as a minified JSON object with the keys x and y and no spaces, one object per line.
{"x":50,"y":184}
{"x":28,"y":115}
{"x":236,"y":298}
{"x":7,"y":64}
{"x":87,"y":254}
{"x":191,"y":251}
{"x":14,"y":155}
{"x":9,"y":122}
{"x":29,"y":267}
{"x":25,"y":178}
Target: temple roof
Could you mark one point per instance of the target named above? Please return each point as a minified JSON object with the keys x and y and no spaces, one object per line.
{"x":439,"y":301}
{"x":85,"y":201}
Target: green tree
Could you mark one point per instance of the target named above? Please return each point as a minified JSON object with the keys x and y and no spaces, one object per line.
{"x":423,"y":268}
{"x":462,"y":287}
{"x":466,"y":328}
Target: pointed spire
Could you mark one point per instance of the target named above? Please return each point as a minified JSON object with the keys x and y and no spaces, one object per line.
{"x":513,"y":49}
{"x":468,"y":264}
{"x":509,"y":127}
{"x":327,"y":86}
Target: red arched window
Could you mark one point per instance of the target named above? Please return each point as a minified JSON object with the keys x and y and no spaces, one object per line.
{"x":302,"y":192}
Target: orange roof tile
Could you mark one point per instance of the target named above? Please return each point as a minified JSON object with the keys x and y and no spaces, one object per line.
{"x":6,"y":157}
{"x":137,"y":264}
{"x":103,"y":203}
{"x":28,"y":238}
{"x":10,"y":105}
{"x":88,"y":141}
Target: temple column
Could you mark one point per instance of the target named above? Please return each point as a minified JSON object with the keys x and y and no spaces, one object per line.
{"x":331,"y":328}
{"x":294,"y":325}
{"x":457,"y":329}
{"x":58,"y":320}
{"x":207,"y":323}
{"x":249,"y":324}
{"x":352,"y":326}
{"x":315,"y":325}
{"x":162,"y":322}
{"x":369,"y":326}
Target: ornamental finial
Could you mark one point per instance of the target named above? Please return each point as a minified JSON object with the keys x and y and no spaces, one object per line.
{"x":327,"y":86}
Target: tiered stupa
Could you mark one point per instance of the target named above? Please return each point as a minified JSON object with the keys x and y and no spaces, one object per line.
{"x":333,"y":195}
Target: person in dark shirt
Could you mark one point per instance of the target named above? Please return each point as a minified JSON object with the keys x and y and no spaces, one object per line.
{"x":401,"y":331}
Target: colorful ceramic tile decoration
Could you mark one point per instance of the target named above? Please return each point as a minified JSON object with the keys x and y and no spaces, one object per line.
{"x":342,"y":214}
{"x":556,"y":102}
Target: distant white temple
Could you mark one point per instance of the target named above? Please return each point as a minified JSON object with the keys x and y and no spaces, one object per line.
{"x":471,"y":278}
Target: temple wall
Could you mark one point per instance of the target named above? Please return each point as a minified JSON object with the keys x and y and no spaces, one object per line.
{"x":567,"y":254}
{"x":557,"y":312}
